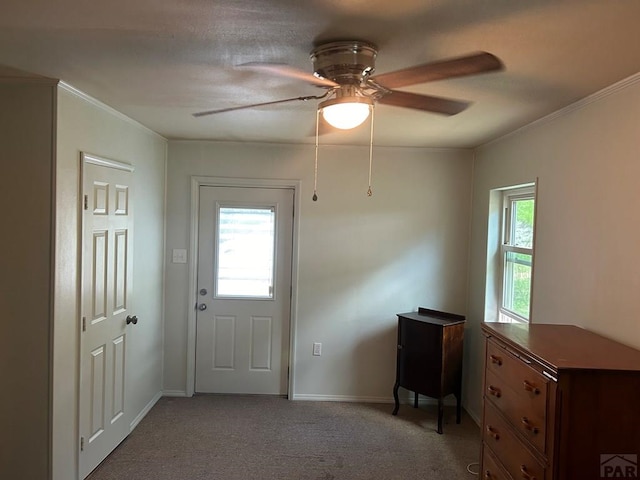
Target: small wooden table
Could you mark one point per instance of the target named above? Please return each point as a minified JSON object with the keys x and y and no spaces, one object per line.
{"x":429,"y":359}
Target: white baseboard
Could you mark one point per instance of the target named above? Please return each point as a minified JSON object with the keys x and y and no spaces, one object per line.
{"x":341,"y":398}
{"x":474,"y":416}
{"x":406,"y":399}
{"x":144,"y":411}
{"x":174,"y":393}
{"x":449,"y":402}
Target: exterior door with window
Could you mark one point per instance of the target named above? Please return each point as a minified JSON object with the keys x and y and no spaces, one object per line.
{"x":244,"y":290}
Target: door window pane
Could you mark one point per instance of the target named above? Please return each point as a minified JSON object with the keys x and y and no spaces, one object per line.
{"x":245,"y":252}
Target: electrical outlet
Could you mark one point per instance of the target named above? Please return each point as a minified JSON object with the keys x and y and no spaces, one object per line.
{"x":317,"y":349}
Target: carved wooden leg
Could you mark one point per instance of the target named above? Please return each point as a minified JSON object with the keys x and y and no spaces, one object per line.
{"x":395,"y":397}
{"x":440,"y":415}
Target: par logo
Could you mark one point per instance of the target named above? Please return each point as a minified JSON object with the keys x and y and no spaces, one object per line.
{"x":617,"y":465}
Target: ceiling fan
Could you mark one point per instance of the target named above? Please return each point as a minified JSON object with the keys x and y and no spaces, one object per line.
{"x":344,"y":69}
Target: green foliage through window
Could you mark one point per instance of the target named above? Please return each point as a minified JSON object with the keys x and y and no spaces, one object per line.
{"x":517,"y":251}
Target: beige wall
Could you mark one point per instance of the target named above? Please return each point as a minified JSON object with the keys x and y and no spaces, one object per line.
{"x":586,"y":268}
{"x":27,"y":126}
{"x":87,"y":126}
{"x":361,"y":259}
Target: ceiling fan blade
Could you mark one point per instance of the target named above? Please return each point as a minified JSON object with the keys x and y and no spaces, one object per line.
{"x":453,"y":67}
{"x":287,"y":71}
{"x":427,"y":103}
{"x":253,"y":105}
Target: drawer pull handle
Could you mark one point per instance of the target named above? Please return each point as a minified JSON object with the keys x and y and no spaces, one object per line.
{"x":530,"y":387}
{"x":529,"y":426}
{"x":525,"y":473}
{"x":496,"y":359}
{"x":495,"y":391}
{"x":493,"y":432}
{"x":487,"y":475}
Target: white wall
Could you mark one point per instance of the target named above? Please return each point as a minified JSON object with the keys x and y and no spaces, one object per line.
{"x":361,"y":259}
{"x":87,"y":126}
{"x":27,"y":126}
{"x":586,"y":266}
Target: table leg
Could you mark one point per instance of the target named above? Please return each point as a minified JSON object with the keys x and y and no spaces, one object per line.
{"x":440,"y":415}
{"x":395,"y":397}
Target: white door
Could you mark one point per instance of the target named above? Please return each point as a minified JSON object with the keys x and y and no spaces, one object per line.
{"x":244,"y":290}
{"x":107,"y":239}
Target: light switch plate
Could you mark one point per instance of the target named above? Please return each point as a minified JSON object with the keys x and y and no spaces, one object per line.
{"x":179,"y":255}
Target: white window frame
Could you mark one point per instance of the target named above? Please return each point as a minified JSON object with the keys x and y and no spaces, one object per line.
{"x":508,"y":197}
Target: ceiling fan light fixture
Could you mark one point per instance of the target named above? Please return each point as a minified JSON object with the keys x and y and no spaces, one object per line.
{"x":346,"y":112}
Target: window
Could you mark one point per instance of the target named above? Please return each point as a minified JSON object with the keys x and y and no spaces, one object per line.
{"x":516,"y":254}
{"x":245,"y":252}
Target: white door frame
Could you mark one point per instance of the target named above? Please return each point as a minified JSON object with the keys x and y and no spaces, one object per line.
{"x":196,"y":183}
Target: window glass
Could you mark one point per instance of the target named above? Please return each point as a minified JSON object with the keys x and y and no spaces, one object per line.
{"x":517,"y":254}
{"x":522,"y":225}
{"x":517,"y":283}
{"x":245,"y":252}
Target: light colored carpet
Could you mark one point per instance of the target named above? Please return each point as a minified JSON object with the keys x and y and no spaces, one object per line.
{"x":266,"y":438}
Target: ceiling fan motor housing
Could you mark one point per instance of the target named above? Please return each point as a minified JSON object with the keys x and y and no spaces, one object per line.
{"x":344,"y":62}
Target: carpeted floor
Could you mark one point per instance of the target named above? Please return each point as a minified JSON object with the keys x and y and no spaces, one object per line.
{"x":267,"y":438}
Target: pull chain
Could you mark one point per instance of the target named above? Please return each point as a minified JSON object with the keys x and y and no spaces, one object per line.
{"x":369,"y":192}
{"x":315,"y":168}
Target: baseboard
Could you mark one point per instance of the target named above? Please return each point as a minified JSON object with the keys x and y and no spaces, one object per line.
{"x":474,"y":416}
{"x":174,"y":393}
{"x":144,"y":411}
{"x":404,"y":399}
{"x":361,"y":399}
{"x":341,"y":398}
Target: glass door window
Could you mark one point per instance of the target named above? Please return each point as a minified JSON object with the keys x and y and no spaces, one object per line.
{"x":245,"y":246}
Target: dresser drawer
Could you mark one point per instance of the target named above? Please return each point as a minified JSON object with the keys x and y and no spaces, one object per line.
{"x":526,"y":413}
{"x":508,"y":449}
{"x":515,"y":371}
{"x":490,"y":468}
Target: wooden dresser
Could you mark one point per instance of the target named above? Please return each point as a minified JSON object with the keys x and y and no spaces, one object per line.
{"x":560,"y":403}
{"x":429,"y":359}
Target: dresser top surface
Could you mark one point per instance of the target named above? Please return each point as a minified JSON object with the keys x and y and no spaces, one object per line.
{"x":433,"y":319}
{"x":566,"y":346}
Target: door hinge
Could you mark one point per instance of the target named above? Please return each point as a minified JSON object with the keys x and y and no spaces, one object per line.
{"x":84,"y":324}
{"x":82,"y":444}
{"x":86,"y":202}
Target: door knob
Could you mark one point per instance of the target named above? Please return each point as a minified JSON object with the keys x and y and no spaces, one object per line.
{"x":132,"y":319}
{"x":202,"y":307}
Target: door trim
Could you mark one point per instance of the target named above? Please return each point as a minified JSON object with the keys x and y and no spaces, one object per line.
{"x":105,"y":162}
{"x":196,"y":183}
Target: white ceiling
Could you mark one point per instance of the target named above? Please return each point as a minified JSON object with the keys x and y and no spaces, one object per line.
{"x":159,"y":61}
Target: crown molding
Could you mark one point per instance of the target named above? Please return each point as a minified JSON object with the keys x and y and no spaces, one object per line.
{"x":106,"y":108}
{"x":593,"y":98}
